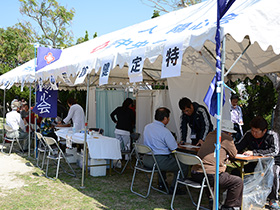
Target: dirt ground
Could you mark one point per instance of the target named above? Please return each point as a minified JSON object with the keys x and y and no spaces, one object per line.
{"x":10,"y":167}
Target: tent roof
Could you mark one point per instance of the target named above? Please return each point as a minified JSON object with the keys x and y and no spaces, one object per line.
{"x":247,"y":22}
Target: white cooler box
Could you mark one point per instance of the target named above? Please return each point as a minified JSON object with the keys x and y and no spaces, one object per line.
{"x":98,"y":170}
{"x":71,"y":155}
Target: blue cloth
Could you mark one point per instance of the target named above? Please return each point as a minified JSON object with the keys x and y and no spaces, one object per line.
{"x":159,"y":138}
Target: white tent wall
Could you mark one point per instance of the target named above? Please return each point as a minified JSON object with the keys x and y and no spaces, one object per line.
{"x":147,"y":101}
{"x":194,"y":87}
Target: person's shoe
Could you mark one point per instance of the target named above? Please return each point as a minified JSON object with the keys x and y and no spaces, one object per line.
{"x":273,"y":205}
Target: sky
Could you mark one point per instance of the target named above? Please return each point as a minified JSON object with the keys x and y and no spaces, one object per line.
{"x":101,"y":16}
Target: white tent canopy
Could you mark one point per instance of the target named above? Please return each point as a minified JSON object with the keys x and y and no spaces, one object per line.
{"x":250,"y":22}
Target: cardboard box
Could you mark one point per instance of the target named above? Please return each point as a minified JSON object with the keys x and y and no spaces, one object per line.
{"x":98,"y":170}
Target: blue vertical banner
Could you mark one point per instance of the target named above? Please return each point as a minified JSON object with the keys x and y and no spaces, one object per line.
{"x":46,"y":102}
{"x":210,"y":98}
{"x":46,"y":56}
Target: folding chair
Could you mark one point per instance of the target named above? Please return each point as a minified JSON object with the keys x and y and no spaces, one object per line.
{"x":140,"y":151}
{"x":190,"y":159}
{"x":133,"y":138}
{"x":11,"y":136}
{"x":56,"y":156}
{"x":42,"y":148}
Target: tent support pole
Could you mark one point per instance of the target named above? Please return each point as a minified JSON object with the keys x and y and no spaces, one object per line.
{"x":4,"y":114}
{"x":239,"y":57}
{"x":85,"y":137}
{"x":29,"y":123}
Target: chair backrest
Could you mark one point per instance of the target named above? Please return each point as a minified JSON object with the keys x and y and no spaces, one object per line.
{"x":41,"y":139}
{"x":142,"y":149}
{"x":10,"y":133}
{"x":51,"y":141}
{"x":190,"y":159}
{"x":8,"y":128}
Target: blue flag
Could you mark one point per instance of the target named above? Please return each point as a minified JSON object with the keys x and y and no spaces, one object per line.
{"x":210,"y":98}
{"x":46,"y":102}
{"x":46,"y":56}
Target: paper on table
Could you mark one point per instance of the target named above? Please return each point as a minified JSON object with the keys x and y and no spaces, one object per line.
{"x":241,"y":156}
{"x":190,"y":146}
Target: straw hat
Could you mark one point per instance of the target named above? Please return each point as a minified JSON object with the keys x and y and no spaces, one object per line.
{"x":227,"y":126}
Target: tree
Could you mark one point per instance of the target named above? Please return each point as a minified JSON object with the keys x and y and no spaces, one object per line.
{"x":169,"y":5}
{"x":53,"y":20}
{"x":84,"y":39}
{"x":15,"y":48}
{"x":155,"y":14}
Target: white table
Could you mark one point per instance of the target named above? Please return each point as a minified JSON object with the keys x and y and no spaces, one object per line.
{"x":100,"y":147}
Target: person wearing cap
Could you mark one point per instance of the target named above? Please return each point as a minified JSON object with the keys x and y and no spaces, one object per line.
{"x":14,"y":120}
{"x":198,"y":119}
{"x":259,"y":141}
{"x":233,"y":184}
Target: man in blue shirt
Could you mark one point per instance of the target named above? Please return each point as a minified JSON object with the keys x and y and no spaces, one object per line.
{"x":162,"y":142}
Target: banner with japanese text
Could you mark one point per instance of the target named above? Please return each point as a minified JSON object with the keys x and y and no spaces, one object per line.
{"x":105,"y":71}
{"x":172,"y":60}
{"x":46,"y":102}
{"x":136,"y":66}
{"x":46,"y":56}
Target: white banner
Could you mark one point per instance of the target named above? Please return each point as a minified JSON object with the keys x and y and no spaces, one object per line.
{"x":53,"y":83}
{"x":172,"y":60}
{"x":82,"y":75}
{"x":136,"y":66}
{"x":66,"y":79}
{"x":105,"y":71}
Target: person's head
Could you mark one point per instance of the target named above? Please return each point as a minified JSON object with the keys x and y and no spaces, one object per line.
{"x":186,"y":106}
{"x":162,"y":115}
{"x":15,"y":106}
{"x":26,"y":107}
{"x":234,"y":100}
{"x":258,"y":127}
{"x":71,"y":101}
{"x":128,"y":102}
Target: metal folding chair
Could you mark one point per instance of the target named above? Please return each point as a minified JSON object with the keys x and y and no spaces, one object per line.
{"x":42,"y":148}
{"x":56,"y":155}
{"x":11,"y":136}
{"x":190,"y":159}
{"x":140,"y":151}
{"x":134,"y":138}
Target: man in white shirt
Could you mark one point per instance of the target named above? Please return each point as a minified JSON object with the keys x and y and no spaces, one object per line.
{"x":14,"y":120}
{"x":76,"y":113}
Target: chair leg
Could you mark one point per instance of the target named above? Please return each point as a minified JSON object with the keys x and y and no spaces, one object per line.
{"x":57,"y":167}
{"x":200,"y":195}
{"x":174,"y":192}
{"x":38,"y":157}
{"x":19,"y":145}
{"x":2,"y":150}
{"x":73,"y":172}
{"x":43,"y":160}
{"x":11,"y":147}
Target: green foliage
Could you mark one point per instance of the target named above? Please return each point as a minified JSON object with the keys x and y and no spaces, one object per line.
{"x":155,"y":14}
{"x":53,"y":20}
{"x":15,"y":48}
{"x":258,"y":100}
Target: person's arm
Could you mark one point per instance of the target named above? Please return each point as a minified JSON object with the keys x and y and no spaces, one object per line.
{"x":243,"y":142}
{"x":184,"y":128}
{"x":204,"y":123}
{"x":230,"y":148}
{"x":170,"y":141}
{"x":69,"y":115}
{"x":112,"y":115}
{"x":273,"y":148}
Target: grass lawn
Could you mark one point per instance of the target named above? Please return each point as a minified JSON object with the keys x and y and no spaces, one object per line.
{"x":106,"y":192}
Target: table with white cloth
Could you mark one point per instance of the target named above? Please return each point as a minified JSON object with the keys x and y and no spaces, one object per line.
{"x":99,"y":146}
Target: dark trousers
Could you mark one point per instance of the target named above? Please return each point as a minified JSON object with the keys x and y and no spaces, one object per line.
{"x":165,"y":163}
{"x":237,"y":136}
{"x":233,"y":185}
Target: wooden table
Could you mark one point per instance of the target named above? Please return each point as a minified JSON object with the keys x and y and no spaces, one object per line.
{"x":247,"y":159}
{"x":188,"y":148}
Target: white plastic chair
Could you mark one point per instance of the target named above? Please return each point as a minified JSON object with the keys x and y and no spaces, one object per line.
{"x":56,"y":155}
{"x":13,"y":137}
{"x":141,"y":150}
{"x":190,"y":159}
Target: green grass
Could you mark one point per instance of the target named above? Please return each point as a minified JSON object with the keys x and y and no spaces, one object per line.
{"x":107,"y":192}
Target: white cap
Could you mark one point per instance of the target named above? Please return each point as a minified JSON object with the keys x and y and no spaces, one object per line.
{"x":15,"y":105}
{"x":227,"y":126}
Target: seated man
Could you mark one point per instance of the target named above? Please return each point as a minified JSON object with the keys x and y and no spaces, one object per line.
{"x":14,"y":120}
{"x":233,"y":184}
{"x":162,"y":142}
{"x":260,"y":141}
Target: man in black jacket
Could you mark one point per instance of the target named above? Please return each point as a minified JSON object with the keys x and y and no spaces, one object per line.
{"x":198,"y":118}
{"x":262,"y":142}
